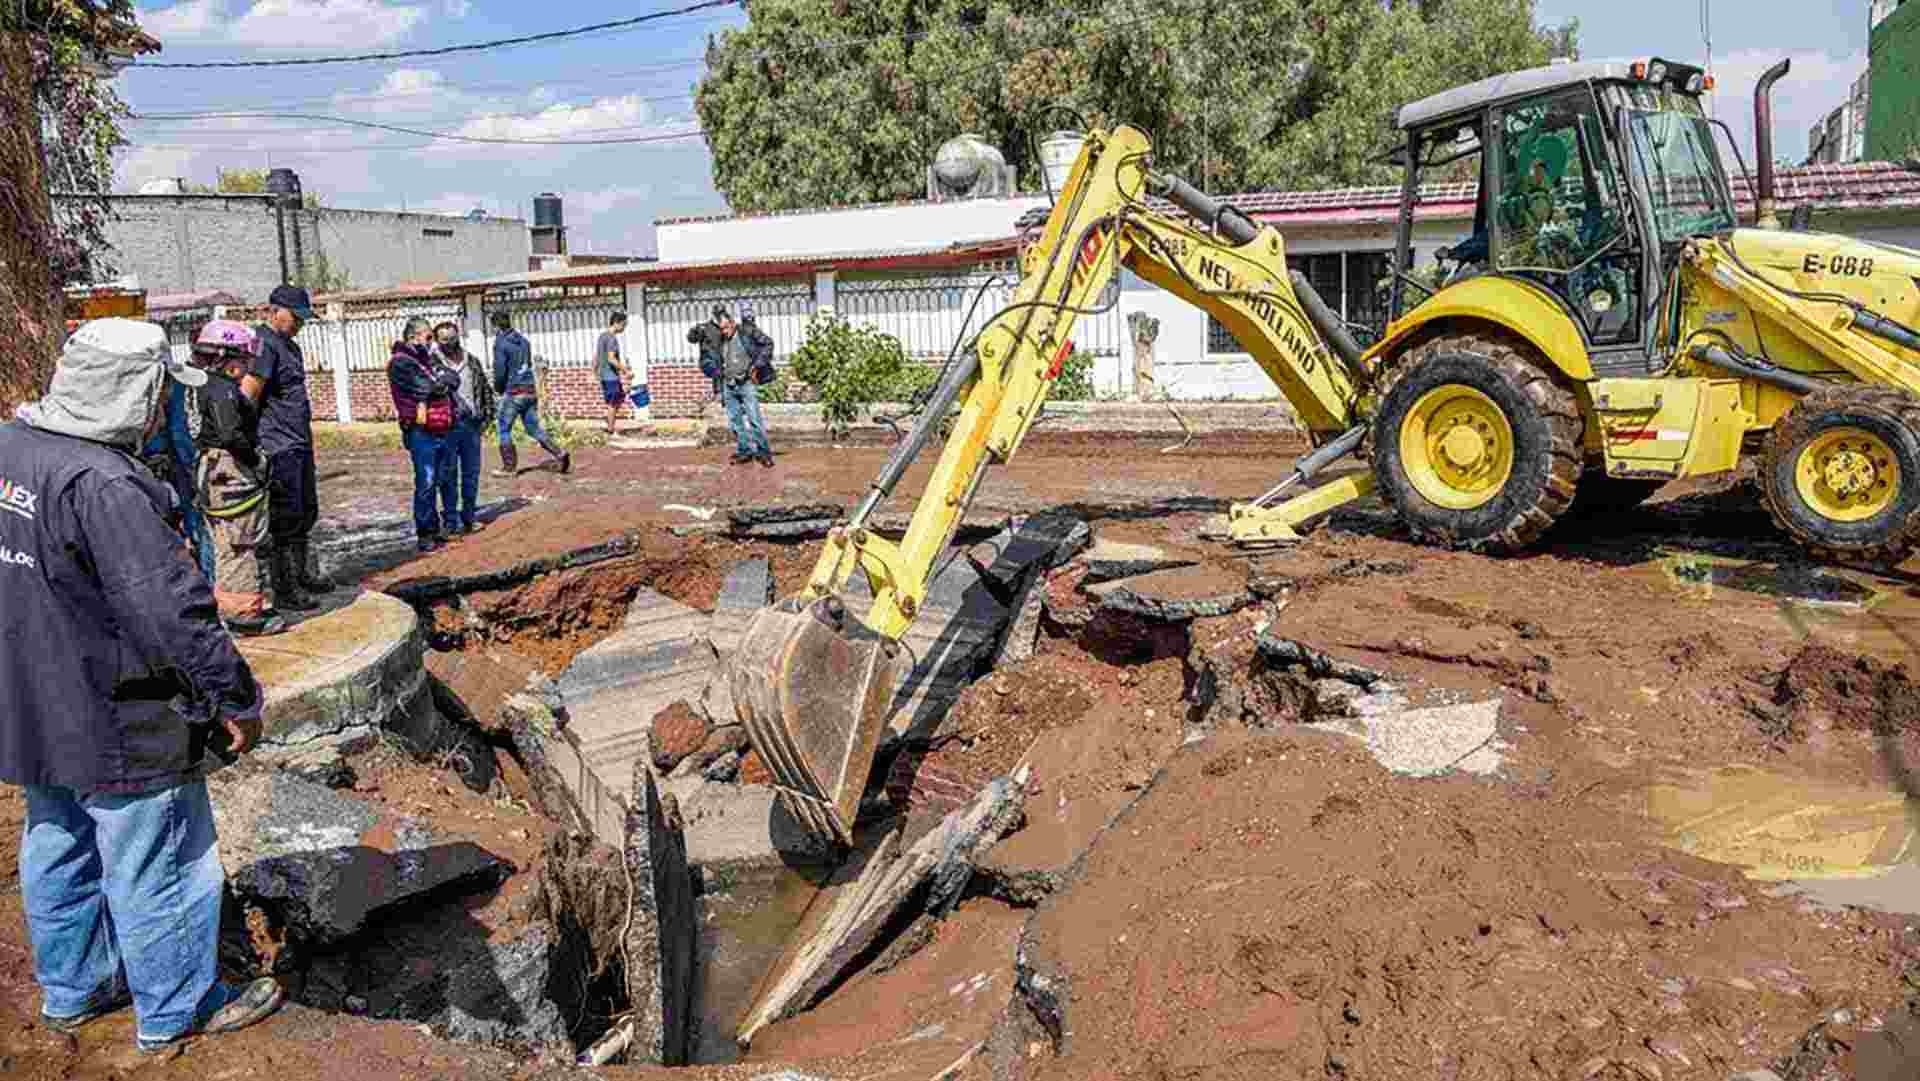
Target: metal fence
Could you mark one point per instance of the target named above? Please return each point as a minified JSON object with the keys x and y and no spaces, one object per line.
{"x":562,"y":326}
{"x":928,"y":313}
{"x":781,"y":308}
{"x":367,"y":332}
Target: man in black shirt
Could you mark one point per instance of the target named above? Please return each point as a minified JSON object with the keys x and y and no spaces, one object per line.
{"x":278,"y":383}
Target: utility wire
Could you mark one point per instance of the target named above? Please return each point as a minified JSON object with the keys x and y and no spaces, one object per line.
{"x":480,"y":46}
{"x":416,"y":131}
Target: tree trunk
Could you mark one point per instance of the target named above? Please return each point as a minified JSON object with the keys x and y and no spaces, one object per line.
{"x":31,"y":320}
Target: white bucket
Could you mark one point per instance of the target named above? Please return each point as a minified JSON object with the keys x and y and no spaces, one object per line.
{"x":1058,"y":152}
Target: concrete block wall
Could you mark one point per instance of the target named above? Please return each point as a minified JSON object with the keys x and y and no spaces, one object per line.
{"x":231,"y":243}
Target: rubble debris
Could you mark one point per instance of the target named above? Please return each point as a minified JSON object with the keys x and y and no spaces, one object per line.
{"x":675,"y":733}
{"x":725,"y":741}
{"x":424,"y":590}
{"x":1821,"y":687}
{"x":469,"y":686}
{"x":932,"y":874}
{"x":1174,"y":596}
{"x":1287,"y":653}
{"x":1430,"y":741}
{"x":1020,"y":561}
{"x":1068,"y":806}
{"x":797,"y":522}
{"x":1367,"y":568}
{"x":964,"y":617}
{"x":561,"y":786}
{"x":661,"y":927}
{"x":613,"y":690}
{"x":322,"y":761}
{"x":1108,"y":560}
{"x":747,"y":588}
{"x":326,"y":861}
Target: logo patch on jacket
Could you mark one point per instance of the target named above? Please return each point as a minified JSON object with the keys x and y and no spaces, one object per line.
{"x":11,"y":558}
{"x":18,"y":499}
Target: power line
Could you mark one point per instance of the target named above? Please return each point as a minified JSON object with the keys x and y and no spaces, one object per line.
{"x":416,"y":131}
{"x":480,"y":46}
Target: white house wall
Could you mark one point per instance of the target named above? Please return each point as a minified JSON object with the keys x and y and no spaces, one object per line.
{"x":906,"y":227}
{"x":1182,"y":366}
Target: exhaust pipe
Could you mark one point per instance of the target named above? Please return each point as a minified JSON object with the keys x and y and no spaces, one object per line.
{"x":1765,"y":218}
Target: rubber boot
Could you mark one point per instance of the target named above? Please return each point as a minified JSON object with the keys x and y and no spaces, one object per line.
{"x":563,"y":457}
{"x":509,"y":461}
{"x":312,"y":583}
{"x":286,"y":585}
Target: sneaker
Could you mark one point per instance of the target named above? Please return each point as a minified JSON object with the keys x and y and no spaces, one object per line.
{"x":472,"y":527}
{"x":429,"y":544}
{"x":107,"y":1003}
{"x":741,"y":458}
{"x":767,"y":460}
{"x":256,"y":626}
{"x":243,"y":1006}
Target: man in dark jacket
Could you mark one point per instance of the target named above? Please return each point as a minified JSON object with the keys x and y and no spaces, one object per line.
{"x":118,"y":688}
{"x":737,"y":357}
{"x":278,"y":384}
{"x":519,"y":389}
{"x":423,"y":405}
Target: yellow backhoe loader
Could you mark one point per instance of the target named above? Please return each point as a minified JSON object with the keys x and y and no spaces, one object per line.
{"x":1606,"y":327}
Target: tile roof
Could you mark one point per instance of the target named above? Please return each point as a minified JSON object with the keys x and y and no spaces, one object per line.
{"x":1877,"y":185}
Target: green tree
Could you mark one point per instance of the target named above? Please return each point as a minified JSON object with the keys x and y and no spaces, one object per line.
{"x":59,"y":127}
{"x":828,"y":101}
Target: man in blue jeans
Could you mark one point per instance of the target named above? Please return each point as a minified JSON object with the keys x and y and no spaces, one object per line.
{"x":519,"y":390}
{"x":474,"y":411}
{"x":737,"y":356}
{"x":119,"y":692}
{"x":423,"y":407}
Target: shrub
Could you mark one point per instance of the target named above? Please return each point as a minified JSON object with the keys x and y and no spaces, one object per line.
{"x":1075,"y":383}
{"x":780,"y":390}
{"x":911,"y":380}
{"x":849,"y":367}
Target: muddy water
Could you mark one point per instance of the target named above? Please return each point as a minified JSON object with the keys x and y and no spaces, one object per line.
{"x":747,"y":917}
{"x":1834,"y":842}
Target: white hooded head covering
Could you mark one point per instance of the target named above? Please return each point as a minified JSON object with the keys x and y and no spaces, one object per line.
{"x":111,"y":379}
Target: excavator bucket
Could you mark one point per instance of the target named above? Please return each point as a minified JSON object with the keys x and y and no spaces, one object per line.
{"x":812,"y":688}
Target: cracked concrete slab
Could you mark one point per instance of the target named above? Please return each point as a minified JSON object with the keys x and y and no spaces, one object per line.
{"x":660,"y":655}
{"x":354,"y":670}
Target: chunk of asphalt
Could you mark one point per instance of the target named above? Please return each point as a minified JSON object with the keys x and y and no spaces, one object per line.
{"x":1287,"y":653}
{"x":1173,"y":596}
{"x":327,"y":861}
{"x":1108,"y":560}
{"x":942,"y":862}
{"x":350,"y":672}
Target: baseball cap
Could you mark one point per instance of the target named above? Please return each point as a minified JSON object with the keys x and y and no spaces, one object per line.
{"x":125,"y":344}
{"x":293,"y":298}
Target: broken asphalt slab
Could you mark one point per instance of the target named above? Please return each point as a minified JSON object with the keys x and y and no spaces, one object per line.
{"x":1109,"y":559}
{"x":1177,"y":595}
{"x":350,"y":671}
{"x":661,"y":929}
{"x":932,"y":872}
{"x":659,"y":656}
{"x":327,"y":861}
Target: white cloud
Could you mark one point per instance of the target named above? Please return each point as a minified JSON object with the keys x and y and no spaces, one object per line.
{"x":183,"y":21}
{"x":403,"y":82}
{"x":560,"y":121}
{"x":1815,"y":85}
{"x":286,"y":25}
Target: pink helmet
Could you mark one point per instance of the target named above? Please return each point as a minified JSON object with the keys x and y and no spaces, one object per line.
{"x":226,"y":334}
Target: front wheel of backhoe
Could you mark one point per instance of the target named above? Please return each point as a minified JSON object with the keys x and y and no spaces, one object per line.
{"x":1475,"y":446}
{"x":1841,"y":473}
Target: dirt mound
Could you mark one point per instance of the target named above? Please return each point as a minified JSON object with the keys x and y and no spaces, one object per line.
{"x":1275,"y":907}
{"x":1823,"y":688}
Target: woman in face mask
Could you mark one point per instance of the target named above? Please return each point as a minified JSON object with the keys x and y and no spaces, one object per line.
{"x":423,"y":405}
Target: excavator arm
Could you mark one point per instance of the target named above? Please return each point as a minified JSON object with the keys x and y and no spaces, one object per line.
{"x":812,"y":682}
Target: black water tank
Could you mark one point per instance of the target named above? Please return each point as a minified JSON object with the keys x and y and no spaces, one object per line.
{"x":546,"y":211}
{"x":283,"y":182}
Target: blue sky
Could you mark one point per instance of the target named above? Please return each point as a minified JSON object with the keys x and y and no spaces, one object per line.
{"x":638,"y":83}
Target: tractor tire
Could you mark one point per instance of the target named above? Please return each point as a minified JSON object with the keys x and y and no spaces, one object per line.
{"x":1475,"y":445}
{"x":1841,"y":474}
